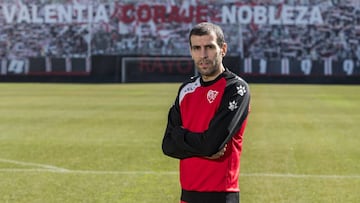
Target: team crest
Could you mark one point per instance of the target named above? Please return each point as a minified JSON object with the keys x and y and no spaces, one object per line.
{"x":211,"y":95}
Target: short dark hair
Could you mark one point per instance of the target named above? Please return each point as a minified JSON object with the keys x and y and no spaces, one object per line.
{"x":206,"y":28}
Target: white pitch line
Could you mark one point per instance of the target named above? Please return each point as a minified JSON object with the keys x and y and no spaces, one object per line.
{"x":94,"y":172}
{"x":55,"y":169}
{"x":290,"y":175}
{"x":28,"y":170}
{"x":44,"y":166}
{"x":126,"y":172}
{"x":41,"y":170}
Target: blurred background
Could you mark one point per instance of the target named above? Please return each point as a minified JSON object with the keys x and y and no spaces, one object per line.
{"x":287,"y":41}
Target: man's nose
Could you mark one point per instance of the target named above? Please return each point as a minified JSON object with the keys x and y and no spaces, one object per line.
{"x":203,"y":53}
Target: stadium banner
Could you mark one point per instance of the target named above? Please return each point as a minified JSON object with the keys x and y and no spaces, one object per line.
{"x":14,"y":66}
{"x":156,"y":69}
{"x":305,"y":67}
{"x":177,"y":68}
{"x":57,"y":66}
{"x":285,"y":38}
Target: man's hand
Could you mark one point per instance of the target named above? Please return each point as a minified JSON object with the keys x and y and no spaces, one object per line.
{"x":218,"y":154}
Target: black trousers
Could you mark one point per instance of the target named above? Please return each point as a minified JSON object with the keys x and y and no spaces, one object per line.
{"x":210,"y":197}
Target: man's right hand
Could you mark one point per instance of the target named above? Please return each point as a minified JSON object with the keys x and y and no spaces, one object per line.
{"x":218,"y":154}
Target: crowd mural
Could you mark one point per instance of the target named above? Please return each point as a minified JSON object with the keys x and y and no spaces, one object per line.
{"x":82,"y":28}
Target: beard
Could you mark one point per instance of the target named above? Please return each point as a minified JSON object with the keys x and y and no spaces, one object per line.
{"x":208,"y":67}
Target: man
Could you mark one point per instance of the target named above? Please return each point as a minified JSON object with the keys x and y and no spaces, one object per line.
{"x":207,"y":121}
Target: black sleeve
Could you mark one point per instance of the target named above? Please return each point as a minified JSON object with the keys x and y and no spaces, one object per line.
{"x":169,"y":145}
{"x":227,"y":121}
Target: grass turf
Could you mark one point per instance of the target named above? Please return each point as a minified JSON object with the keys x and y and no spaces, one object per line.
{"x":101,"y":143}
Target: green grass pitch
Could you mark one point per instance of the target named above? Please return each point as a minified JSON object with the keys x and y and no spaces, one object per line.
{"x":102,"y":143}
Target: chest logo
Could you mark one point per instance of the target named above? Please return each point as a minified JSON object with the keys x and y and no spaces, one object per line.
{"x":211,"y":95}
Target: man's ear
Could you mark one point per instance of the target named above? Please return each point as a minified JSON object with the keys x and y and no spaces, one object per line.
{"x":223,"y":49}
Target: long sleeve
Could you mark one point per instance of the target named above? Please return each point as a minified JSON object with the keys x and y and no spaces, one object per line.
{"x":227,"y":121}
{"x":181,"y":143}
{"x":169,"y":145}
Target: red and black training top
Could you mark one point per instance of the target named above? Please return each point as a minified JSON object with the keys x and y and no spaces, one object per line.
{"x":204,"y":118}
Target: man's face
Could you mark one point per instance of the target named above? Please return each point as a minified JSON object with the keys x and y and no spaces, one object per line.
{"x":207,"y":55}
